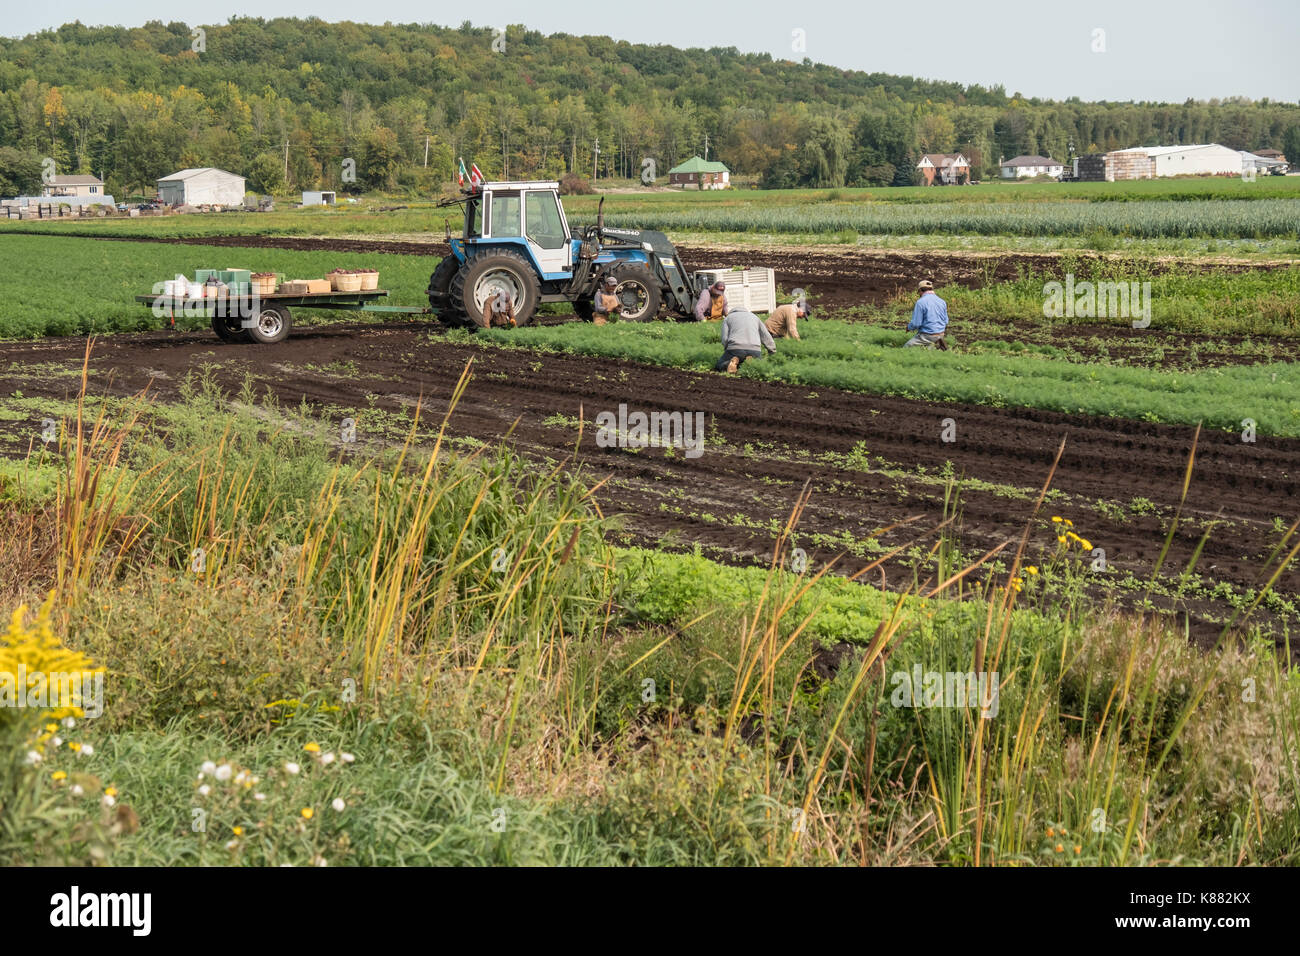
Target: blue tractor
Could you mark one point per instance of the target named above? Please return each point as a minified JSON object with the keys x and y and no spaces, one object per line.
{"x":517,"y":240}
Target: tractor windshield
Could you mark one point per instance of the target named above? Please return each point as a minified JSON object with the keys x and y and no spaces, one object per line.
{"x":503,"y":217}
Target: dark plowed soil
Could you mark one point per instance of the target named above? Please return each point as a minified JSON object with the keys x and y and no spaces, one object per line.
{"x":1122,"y":478}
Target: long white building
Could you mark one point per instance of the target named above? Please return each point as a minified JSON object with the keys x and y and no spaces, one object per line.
{"x":1209,"y":159}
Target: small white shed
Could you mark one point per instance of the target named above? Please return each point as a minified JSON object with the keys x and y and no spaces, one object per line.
{"x":324,"y":197}
{"x":205,"y":186}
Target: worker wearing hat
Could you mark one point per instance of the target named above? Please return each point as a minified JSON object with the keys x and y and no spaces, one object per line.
{"x":712,"y":303}
{"x":783,"y":320}
{"x":929,"y":318}
{"x":605,"y":303}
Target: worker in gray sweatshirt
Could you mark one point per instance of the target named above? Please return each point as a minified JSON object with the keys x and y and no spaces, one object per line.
{"x":744,"y":336}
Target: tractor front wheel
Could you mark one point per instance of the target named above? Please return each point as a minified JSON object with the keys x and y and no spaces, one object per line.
{"x":490,"y":272}
{"x":638,"y":293}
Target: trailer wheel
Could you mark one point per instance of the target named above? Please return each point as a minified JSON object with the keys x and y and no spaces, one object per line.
{"x":638,"y":293}
{"x":270,"y":325}
{"x":229,"y":328}
{"x":488,"y":272}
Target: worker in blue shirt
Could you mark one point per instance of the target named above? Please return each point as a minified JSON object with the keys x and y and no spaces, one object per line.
{"x":929,"y":318}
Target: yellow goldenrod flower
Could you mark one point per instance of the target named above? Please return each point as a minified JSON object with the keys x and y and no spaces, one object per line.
{"x":74,"y":746}
{"x":110,"y":791}
{"x":1057,"y":519}
{"x":237,"y":831}
{"x":51,"y":728}
{"x":1031,"y":569}
{"x":312,"y":748}
{"x":1061,"y":538}
{"x":307,"y":812}
{"x":1085,"y":544}
{"x":1069,"y":523}
{"x":59,"y":775}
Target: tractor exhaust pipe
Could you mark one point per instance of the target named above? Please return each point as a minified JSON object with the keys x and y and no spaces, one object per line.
{"x":600,"y":216}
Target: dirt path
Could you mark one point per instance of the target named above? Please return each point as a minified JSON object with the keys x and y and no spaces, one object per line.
{"x":1119,"y":477}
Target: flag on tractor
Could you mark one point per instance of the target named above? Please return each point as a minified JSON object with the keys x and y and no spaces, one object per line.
{"x":461,"y":174}
{"x":475,"y":176}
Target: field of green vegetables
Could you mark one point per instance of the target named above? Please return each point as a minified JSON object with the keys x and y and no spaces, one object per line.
{"x":44,"y":296}
{"x":1264,"y":219}
{"x":869,"y":359}
{"x":1157,"y":209}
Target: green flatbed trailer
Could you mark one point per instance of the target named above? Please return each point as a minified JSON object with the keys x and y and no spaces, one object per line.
{"x":266,"y":319}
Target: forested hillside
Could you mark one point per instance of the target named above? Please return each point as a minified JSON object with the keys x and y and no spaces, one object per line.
{"x":266,"y":98}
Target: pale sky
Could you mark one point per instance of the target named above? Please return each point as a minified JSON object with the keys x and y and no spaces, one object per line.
{"x":1166,"y":50}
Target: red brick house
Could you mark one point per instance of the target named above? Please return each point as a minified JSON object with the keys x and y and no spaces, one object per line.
{"x":944,"y":169}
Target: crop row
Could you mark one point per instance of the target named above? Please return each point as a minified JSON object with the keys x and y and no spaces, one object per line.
{"x":1263,"y":219}
{"x":870,"y":359}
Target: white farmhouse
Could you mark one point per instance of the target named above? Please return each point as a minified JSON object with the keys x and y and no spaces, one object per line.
{"x":1022,"y":166}
{"x":205,"y":186}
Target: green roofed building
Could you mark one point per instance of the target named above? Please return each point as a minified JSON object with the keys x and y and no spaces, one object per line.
{"x":701,"y":173}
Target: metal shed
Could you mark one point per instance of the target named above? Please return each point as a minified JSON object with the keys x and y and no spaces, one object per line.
{"x":204,"y":186}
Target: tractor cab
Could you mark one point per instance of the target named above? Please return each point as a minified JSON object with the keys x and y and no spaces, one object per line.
{"x":526,"y":214}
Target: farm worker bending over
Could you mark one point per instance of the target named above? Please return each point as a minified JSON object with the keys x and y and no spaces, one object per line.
{"x":783,"y":320}
{"x":502,"y":309}
{"x":929,"y":318}
{"x":606,"y":302}
{"x":744,"y":336}
{"x":712,"y":303}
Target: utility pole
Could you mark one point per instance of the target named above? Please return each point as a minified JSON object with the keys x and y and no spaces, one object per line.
{"x":286,"y":162}
{"x":595,"y":155}
{"x":426,"y":150}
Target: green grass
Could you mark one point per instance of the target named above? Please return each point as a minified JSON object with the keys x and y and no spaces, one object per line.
{"x":868,"y":359}
{"x":76,"y":286}
{"x":585,"y":706}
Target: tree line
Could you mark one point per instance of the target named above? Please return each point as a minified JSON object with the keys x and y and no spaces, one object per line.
{"x":303,"y":104}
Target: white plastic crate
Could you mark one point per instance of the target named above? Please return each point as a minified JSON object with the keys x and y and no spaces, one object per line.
{"x":753,"y":290}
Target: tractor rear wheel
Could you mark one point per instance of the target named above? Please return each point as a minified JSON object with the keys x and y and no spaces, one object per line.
{"x":489,"y":272}
{"x":638,"y":293}
{"x":440,"y":292}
